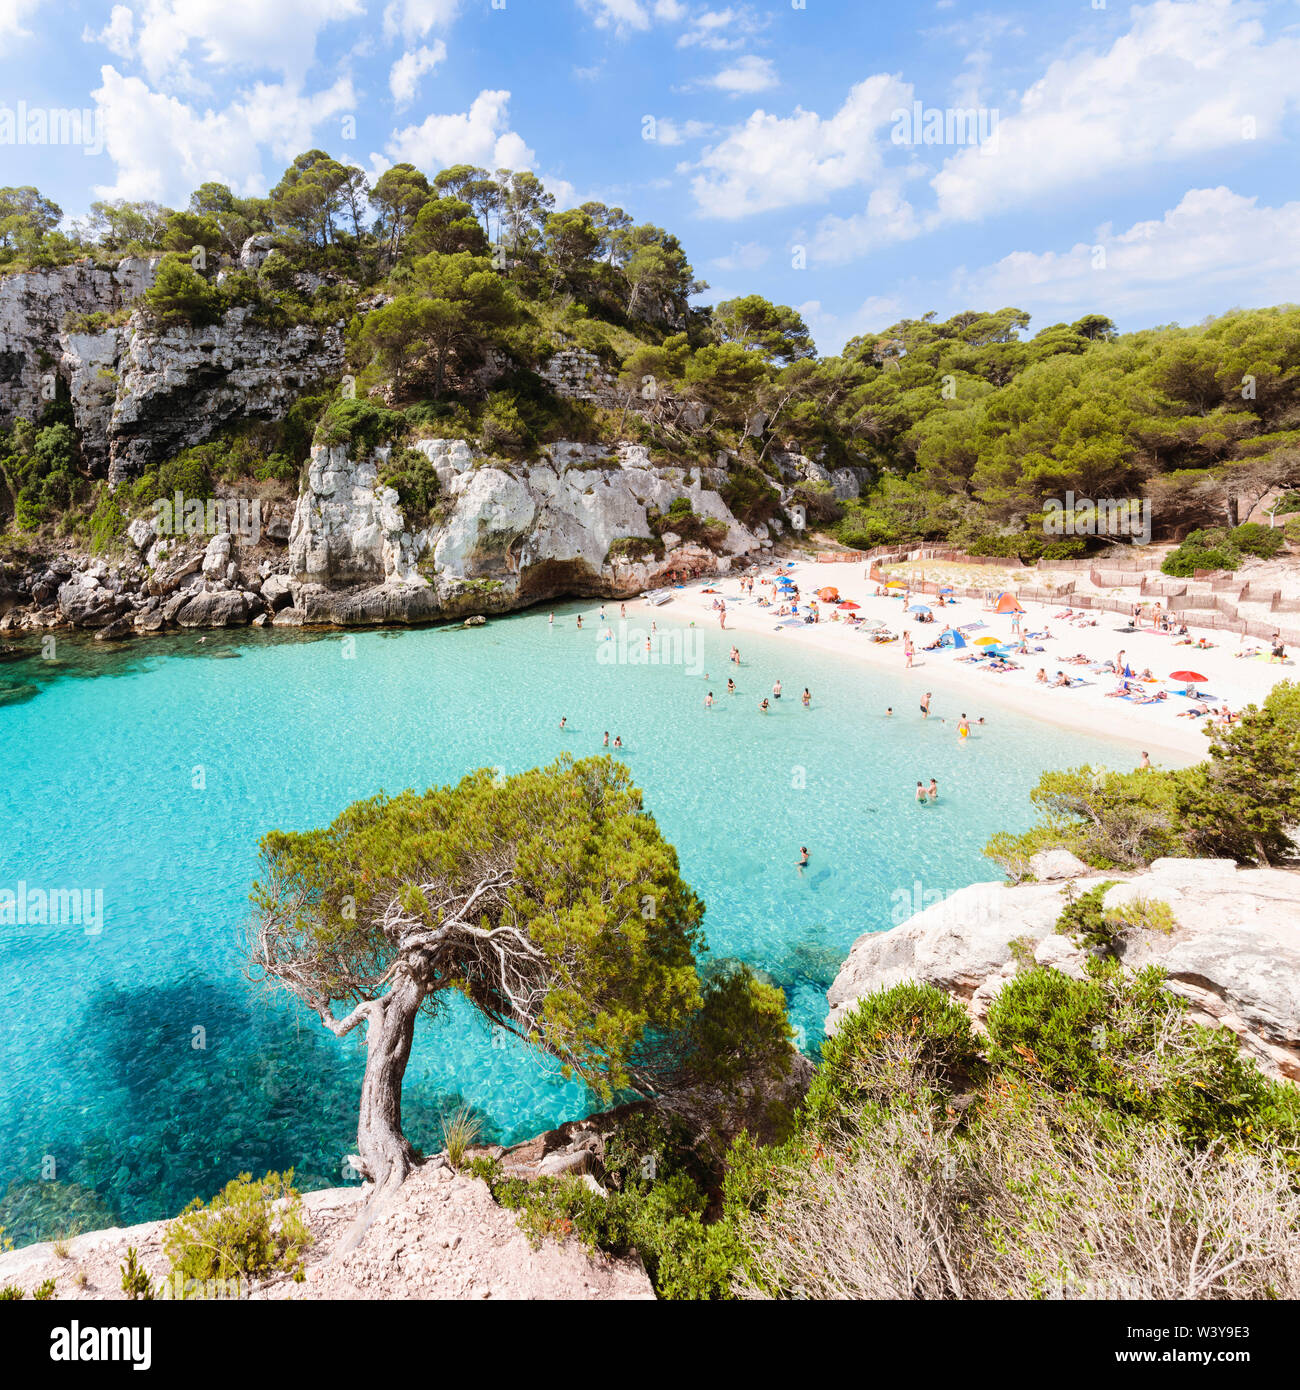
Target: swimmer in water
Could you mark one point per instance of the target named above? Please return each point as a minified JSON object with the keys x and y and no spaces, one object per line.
{"x":776,"y":690}
{"x":807,"y":697}
{"x":731,"y":686}
{"x":606,"y":743}
{"x":889,"y":711}
{"x":934,"y":790}
{"x":564,"y":719}
{"x":764,"y":707}
{"x":618,"y":740}
{"x":551,"y":620}
{"x":579,"y":622}
{"x":803,"y":856}
{"x":708,"y":700}
{"x":920,"y":792}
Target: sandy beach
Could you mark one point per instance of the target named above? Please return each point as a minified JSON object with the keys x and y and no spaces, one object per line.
{"x":965,"y":687}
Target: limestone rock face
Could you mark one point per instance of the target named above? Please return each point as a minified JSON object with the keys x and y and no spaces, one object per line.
{"x":348,"y":528}
{"x":503,"y":537}
{"x":1234,"y":952}
{"x":139,"y":396}
{"x":178,"y":387}
{"x":33,"y":347}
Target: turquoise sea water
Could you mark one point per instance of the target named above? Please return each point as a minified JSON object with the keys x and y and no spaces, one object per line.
{"x":141,"y":1062}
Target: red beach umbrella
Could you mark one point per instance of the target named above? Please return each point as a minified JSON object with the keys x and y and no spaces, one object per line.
{"x":1193,"y":677}
{"x":848,"y":603}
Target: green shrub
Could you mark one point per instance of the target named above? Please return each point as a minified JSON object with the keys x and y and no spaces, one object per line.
{"x":360,"y":424}
{"x":915,"y":1020}
{"x":412,"y":475}
{"x":107,"y":522}
{"x":1084,"y":919}
{"x":250,"y":1230}
{"x":635,"y":548}
{"x":136,"y":1282}
{"x":1254,"y":539}
{"x":43,"y":1291}
{"x":1210,"y":549}
{"x":180,"y":295}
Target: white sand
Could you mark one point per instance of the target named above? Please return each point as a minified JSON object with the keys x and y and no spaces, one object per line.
{"x":963,"y":687}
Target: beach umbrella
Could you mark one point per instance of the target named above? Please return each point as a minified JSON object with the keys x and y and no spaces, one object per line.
{"x":895,"y":584}
{"x":828,"y":594}
{"x":848,"y":603}
{"x":1191,"y":677}
{"x":947,"y":589}
{"x":918,"y":608}
{"x":987,"y":642}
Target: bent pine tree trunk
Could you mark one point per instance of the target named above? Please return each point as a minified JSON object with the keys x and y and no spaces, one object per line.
{"x":384,"y":1150}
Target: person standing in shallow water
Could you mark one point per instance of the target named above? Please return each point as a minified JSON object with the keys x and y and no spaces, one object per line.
{"x":934,"y":790}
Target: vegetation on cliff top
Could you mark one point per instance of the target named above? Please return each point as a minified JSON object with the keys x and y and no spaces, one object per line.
{"x":456,"y":291}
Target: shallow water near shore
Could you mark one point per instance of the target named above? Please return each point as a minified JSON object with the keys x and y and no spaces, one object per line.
{"x":139,"y":1062}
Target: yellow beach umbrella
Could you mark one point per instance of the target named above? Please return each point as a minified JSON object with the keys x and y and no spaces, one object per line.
{"x":987,"y":642}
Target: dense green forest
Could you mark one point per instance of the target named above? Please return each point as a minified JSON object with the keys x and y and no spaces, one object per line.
{"x":456,"y":290}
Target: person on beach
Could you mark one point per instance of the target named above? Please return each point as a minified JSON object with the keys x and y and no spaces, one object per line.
{"x":920,"y":793}
{"x":963,"y":727}
{"x":708,"y":700}
{"x":722,"y":617}
{"x":550,"y":622}
{"x":907,"y":649}
{"x":776,"y":690}
{"x":1041,"y":677}
{"x":1146,"y":760}
{"x":764,"y":707}
{"x":579,"y":622}
{"x":606,"y":743}
{"x":925,"y":705}
{"x":731,"y":686}
{"x":622,"y":610}
{"x":934,"y":790}
{"x":807,"y":697}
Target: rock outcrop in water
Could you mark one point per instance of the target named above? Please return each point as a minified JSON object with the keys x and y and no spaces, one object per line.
{"x":1234,"y":952}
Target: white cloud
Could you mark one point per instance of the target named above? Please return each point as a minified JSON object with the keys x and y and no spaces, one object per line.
{"x":477,"y":136}
{"x":414,"y":19}
{"x":831,"y":331}
{"x":748,"y":255}
{"x":163,"y":148}
{"x":887,"y":218}
{"x":117,"y":34}
{"x":747,"y":74}
{"x":624,"y":16}
{"x":710,"y":29}
{"x":1182,"y":82}
{"x":12,"y":15}
{"x":671,"y":132}
{"x":234,"y":35}
{"x":1224,"y":247}
{"x":776,"y":162}
{"x":404,"y":78}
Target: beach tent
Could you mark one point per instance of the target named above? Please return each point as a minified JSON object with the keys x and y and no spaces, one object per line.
{"x":1007,"y":603}
{"x":952,"y":639}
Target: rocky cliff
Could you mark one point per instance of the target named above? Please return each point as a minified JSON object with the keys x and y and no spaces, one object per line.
{"x":140,"y":395}
{"x":502,"y":537}
{"x":1233,"y":952}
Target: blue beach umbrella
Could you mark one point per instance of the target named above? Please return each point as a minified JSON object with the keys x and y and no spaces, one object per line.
{"x":918,"y":608}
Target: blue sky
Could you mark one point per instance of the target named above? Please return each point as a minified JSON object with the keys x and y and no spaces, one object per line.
{"x":1134,"y":160}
